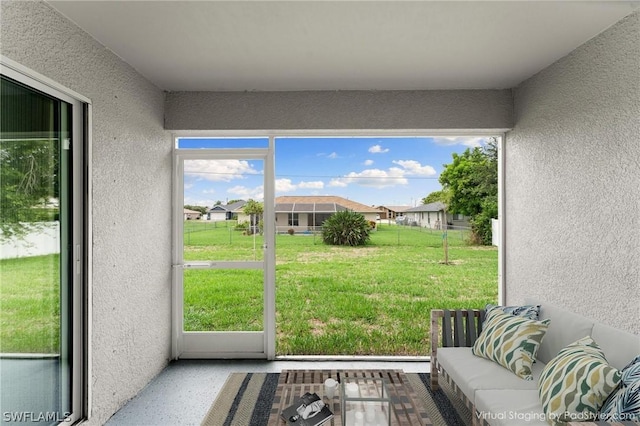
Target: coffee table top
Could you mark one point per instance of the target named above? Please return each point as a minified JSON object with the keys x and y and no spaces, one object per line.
{"x":408,"y":409}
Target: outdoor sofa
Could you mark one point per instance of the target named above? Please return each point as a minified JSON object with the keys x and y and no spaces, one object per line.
{"x":493,"y":393}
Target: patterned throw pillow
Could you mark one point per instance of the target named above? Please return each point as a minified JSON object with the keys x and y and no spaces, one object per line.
{"x":624,"y":403}
{"x":510,"y":341}
{"x":526,"y":311}
{"x":573,"y":386}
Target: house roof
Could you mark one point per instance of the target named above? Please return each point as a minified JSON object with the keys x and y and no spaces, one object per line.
{"x":396,"y":208}
{"x":431,"y":207}
{"x":187,"y":211}
{"x":320,"y":204}
{"x":236,"y":205}
{"x":229,"y":207}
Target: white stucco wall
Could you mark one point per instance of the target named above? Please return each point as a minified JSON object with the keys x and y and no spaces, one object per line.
{"x":369,"y":110}
{"x":131,"y":177}
{"x":573,"y":181}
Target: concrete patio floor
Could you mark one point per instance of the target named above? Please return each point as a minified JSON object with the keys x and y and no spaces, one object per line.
{"x":183,"y":392}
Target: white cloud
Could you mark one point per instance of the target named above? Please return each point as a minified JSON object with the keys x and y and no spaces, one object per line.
{"x":337,"y":182}
{"x":219,"y":170}
{"x":197,"y":202}
{"x":393,"y":176}
{"x":375,"y":178}
{"x":368,"y":162}
{"x":209,"y":191}
{"x":333,"y":155}
{"x":413,"y":167}
{"x":256,"y":193}
{"x":470,"y":142}
{"x":285,"y":185}
{"x":377,"y":149}
{"x":318,"y":184}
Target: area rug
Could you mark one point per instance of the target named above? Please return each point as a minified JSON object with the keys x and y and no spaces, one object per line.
{"x":246,"y":399}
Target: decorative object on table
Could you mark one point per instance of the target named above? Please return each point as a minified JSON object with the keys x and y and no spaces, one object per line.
{"x":330,"y":388}
{"x":309,"y":410}
{"x":365,"y":401}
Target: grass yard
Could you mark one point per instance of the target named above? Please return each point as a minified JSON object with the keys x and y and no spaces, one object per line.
{"x":30,"y":305}
{"x":372,"y":300}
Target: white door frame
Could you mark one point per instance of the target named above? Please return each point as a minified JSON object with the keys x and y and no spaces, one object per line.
{"x":241,"y":344}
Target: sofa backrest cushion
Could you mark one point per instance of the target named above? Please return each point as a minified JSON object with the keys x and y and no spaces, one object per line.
{"x":619,"y":347}
{"x":565,"y":328}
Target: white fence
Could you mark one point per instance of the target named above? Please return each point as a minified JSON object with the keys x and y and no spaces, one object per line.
{"x":43,"y":239}
{"x":495,"y":232}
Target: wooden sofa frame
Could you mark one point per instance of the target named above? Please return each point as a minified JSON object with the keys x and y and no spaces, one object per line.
{"x":459,"y":328}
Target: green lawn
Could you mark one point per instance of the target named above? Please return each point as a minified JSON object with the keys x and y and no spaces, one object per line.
{"x":29,"y":305}
{"x":372,"y":300}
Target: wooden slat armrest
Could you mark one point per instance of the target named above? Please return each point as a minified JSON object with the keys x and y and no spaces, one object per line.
{"x":459,"y":328}
{"x":436,"y":314}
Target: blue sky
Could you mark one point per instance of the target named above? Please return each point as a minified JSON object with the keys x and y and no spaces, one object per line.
{"x":373,"y":170}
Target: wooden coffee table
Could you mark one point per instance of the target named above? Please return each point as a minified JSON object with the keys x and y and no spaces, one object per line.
{"x":408,"y":408}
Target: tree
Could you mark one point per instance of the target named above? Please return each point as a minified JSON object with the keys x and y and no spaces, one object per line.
{"x":346,"y":228}
{"x":200,"y":209}
{"x":442,"y":196}
{"x":472,"y":181}
{"x":29,"y":175}
{"x":254,"y":210}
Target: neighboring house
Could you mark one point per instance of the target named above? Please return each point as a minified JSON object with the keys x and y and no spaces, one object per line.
{"x":391,"y":212}
{"x":432,"y":215}
{"x":308,"y":213}
{"x":191,"y":214}
{"x":224,"y":212}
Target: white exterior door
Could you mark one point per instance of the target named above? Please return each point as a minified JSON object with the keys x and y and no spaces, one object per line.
{"x":224,"y":272}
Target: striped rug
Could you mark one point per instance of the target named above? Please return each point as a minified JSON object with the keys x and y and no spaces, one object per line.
{"x":246,"y":400}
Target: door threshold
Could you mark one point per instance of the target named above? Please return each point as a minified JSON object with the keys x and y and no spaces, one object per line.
{"x":366,"y":358}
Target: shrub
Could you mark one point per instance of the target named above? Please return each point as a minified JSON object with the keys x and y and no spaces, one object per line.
{"x":242,"y":226}
{"x":372,"y":224}
{"x":346,"y":228}
{"x":481,"y":223}
{"x":290,"y":231}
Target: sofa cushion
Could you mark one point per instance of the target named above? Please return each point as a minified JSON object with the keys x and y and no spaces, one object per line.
{"x":472,"y":373}
{"x":505,"y":407}
{"x":619,"y":346}
{"x":510,"y":341}
{"x":526,"y":311}
{"x":575,"y":384}
{"x":624,"y":403}
{"x":566,"y":327}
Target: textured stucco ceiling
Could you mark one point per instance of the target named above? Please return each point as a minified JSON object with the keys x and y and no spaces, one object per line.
{"x":341,"y":45}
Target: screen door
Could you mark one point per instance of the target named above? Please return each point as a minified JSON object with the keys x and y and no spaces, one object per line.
{"x":224,"y":262}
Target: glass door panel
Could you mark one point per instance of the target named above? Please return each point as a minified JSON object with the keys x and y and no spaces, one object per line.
{"x":36,"y":256}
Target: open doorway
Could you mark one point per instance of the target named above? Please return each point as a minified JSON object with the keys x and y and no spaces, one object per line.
{"x":371,"y":299}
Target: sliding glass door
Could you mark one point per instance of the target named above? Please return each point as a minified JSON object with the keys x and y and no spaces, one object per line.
{"x":41,"y":253}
